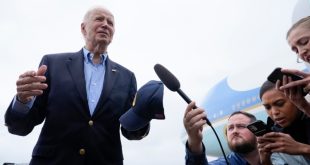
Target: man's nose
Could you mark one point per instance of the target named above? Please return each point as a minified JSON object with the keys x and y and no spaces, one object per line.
{"x":103,"y":23}
{"x":235,"y":130}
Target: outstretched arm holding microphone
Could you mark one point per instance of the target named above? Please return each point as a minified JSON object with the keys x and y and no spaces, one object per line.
{"x":193,"y":122}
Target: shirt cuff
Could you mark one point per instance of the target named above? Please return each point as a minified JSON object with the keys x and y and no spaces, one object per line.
{"x":20,"y":107}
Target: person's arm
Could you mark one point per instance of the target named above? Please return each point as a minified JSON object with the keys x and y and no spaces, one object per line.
{"x":20,"y":107}
{"x":305,"y":150}
{"x":193,"y":122}
{"x":21,"y":117}
{"x":303,"y":105}
{"x":29,"y":85}
{"x":192,"y":158}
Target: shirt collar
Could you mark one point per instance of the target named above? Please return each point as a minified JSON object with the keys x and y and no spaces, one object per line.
{"x":88,"y":56}
{"x":236,"y":158}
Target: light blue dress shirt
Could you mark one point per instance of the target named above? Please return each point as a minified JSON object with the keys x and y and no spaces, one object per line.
{"x":94,"y":78}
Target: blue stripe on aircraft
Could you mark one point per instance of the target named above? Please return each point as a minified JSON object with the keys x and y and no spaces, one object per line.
{"x":222,"y":100}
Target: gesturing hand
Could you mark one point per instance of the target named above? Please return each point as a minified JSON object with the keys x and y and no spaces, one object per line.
{"x":30,"y":84}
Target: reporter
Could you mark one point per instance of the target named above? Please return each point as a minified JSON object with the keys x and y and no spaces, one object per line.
{"x":241,"y":140}
{"x":289,"y":143}
{"x":298,"y":38}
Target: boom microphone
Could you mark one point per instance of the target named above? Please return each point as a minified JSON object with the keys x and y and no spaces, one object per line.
{"x":172,"y":83}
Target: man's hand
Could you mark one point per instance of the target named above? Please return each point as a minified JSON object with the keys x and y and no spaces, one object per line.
{"x":30,"y":84}
{"x":193,"y":122}
{"x":280,"y":142}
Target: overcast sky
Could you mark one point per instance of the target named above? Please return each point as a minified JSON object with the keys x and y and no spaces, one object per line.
{"x":200,"y":41}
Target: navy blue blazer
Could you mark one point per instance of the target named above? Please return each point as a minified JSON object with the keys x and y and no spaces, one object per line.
{"x":70,"y":135}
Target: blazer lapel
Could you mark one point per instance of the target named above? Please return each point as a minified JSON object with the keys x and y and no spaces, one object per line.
{"x":109,"y":79}
{"x":75,"y":66}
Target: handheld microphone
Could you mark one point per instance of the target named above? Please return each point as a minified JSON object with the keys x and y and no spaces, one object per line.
{"x":172,"y":83}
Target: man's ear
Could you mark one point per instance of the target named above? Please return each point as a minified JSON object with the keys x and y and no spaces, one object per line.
{"x":83,"y":29}
{"x":225,"y":131}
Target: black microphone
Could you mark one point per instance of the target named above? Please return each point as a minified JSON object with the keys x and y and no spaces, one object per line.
{"x":172,"y":83}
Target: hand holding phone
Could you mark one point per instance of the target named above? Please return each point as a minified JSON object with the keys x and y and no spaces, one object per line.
{"x":278,"y":75}
{"x":258,"y":128}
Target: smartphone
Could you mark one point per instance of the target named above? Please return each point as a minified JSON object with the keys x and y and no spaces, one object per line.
{"x":276,"y":74}
{"x":258,"y":128}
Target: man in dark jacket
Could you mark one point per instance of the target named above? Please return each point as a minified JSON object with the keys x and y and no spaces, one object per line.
{"x":81,"y":96}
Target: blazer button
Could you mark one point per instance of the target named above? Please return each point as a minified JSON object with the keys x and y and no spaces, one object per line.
{"x":82,"y":151}
{"x":90,"y":123}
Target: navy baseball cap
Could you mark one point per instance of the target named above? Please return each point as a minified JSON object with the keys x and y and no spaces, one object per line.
{"x":147,"y":105}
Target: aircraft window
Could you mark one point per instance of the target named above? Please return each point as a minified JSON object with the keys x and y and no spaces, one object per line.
{"x":243,"y":103}
{"x":254,"y":98}
{"x":221,"y":112}
{"x":248,"y":100}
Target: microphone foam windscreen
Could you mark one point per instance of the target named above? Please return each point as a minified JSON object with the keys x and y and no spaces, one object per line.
{"x":167,"y":77}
